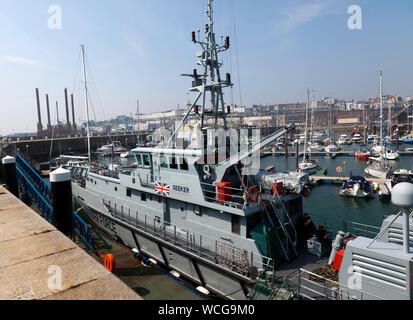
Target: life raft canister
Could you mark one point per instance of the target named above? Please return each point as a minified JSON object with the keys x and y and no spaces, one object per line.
{"x":255,"y":191}
{"x":110,"y":262}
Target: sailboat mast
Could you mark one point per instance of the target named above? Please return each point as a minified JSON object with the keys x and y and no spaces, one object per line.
{"x":381,"y":115}
{"x":86,"y":100}
{"x":306,"y":123}
{"x":137,"y":114}
{"x":312,"y":119}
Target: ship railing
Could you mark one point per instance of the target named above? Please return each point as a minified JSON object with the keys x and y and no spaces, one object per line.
{"x":239,"y":198}
{"x":310,"y":286}
{"x":222,"y":252}
{"x":361,"y":229}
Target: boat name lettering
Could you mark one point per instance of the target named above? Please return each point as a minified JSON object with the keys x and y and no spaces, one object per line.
{"x":181,"y":189}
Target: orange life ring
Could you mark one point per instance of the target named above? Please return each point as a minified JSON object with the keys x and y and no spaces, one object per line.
{"x":256,"y":192}
{"x":110,"y":262}
{"x":96,"y":164}
{"x":339,"y":169}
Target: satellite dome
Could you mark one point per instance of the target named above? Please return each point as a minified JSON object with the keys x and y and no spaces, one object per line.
{"x":402,"y":195}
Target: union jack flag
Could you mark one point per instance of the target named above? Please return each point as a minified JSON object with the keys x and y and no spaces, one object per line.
{"x":162,"y":189}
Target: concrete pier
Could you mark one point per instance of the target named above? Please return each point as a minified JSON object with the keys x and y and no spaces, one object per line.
{"x":33,"y":254}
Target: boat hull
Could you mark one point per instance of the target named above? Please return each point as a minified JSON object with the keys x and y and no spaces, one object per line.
{"x":377,"y":173}
{"x":191,"y":266}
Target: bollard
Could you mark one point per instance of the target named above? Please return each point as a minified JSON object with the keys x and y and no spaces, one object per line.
{"x":1,"y":173}
{"x":61,"y":192}
{"x":10,"y":175}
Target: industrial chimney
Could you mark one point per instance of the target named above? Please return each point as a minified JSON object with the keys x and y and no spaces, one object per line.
{"x":73,"y":113}
{"x":39,"y":123}
{"x":57,"y":113}
{"x":49,"y":125}
{"x":67,"y":110}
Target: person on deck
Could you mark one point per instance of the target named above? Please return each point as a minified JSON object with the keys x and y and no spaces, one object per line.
{"x":323,"y":237}
{"x":308,"y":228}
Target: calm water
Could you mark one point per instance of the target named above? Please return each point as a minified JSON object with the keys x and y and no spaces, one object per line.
{"x":325,"y":205}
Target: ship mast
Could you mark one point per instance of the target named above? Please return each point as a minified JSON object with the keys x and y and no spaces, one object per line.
{"x":210,"y":80}
{"x":86,"y":100}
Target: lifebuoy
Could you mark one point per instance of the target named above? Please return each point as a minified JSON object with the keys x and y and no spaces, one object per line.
{"x":256,"y":192}
{"x":339,"y":169}
{"x":207,"y":169}
{"x":110,"y":262}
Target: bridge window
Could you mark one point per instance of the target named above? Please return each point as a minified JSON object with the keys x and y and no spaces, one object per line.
{"x":183,"y":164}
{"x":146,"y":160}
{"x":164,"y":161}
{"x":235,"y":224}
{"x":173,"y":163}
{"x":143,"y":196}
{"x":139,"y":159}
{"x":128,"y":192}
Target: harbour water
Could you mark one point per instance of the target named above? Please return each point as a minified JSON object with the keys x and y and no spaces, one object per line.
{"x":325,"y":205}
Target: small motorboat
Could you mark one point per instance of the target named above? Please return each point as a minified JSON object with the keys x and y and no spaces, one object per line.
{"x":362,"y":153}
{"x":115,"y":147}
{"x":372,"y":137}
{"x":344,"y":139}
{"x":401,"y":175}
{"x":316,"y":147}
{"x":357,"y":187}
{"x":390,"y":155}
{"x":357,"y":138}
{"x":332,"y":148}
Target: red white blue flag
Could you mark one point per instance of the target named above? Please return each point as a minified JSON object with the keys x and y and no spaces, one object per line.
{"x":162,"y":189}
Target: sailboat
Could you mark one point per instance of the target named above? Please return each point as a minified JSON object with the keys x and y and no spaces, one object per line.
{"x":382,"y":168}
{"x":307,"y":165}
{"x":332,"y":146}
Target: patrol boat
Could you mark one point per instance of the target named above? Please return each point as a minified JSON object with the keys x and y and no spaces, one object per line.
{"x":205,"y":214}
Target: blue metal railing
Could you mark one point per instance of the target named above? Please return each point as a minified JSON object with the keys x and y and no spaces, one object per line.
{"x":83,"y":231}
{"x":41,"y":185}
{"x":39,"y":191}
{"x":38,"y":199}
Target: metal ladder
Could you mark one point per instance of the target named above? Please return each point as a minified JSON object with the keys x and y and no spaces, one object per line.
{"x":285,"y":246}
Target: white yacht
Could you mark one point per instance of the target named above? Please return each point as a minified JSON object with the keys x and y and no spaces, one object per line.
{"x":344,"y":140}
{"x":357,"y":138}
{"x":115,"y":147}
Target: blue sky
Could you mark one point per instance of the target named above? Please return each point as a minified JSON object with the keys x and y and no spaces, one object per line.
{"x":138,"y":49}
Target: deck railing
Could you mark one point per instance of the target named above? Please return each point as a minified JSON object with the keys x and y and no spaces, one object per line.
{"x":311,"y":286}
{"x":360,"y":229}
{"x":222,"y":252}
